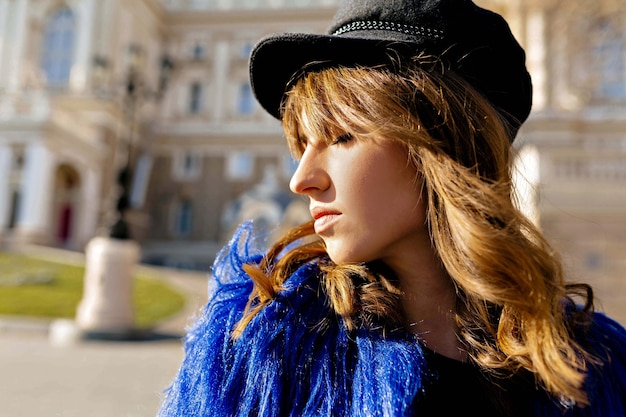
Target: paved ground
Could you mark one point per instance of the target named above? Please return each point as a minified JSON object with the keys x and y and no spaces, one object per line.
{"x":91,"y":378}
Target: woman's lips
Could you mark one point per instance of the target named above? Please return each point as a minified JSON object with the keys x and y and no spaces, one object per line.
{"x":324,"y":220}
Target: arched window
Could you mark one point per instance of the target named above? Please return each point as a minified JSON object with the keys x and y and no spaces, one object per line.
{"x":58,"y":47}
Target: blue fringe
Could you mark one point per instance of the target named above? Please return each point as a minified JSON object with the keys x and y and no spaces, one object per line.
{"x":296,"y":358}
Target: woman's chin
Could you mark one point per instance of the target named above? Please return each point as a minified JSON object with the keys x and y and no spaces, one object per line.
{"x":342,"y":256}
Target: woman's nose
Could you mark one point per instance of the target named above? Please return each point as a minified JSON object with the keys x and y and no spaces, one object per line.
{"x":310,"y":176}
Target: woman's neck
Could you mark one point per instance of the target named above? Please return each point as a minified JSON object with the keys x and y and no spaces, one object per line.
{"x":433,"y":322}
{"x":429,"y":303}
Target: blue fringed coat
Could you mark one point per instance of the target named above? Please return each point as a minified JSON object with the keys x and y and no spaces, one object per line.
{"x":288,"y":364}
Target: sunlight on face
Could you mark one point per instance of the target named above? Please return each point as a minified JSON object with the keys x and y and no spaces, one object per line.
{"x":365,"y":197}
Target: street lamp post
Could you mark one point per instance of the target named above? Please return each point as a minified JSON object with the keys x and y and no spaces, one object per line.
{"x":120,"y":229}
{"x":106,"y":309}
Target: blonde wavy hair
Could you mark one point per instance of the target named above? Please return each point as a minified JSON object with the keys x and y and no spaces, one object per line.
{"x":511,"y":295}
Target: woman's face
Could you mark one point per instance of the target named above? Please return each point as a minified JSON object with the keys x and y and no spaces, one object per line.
{"x":365,"y":198}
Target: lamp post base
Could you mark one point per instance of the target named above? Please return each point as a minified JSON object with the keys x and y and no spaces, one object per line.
{"x":106,"y":307}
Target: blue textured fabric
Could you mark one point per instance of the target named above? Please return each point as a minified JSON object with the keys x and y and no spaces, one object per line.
{"x":606,"y":381}
{"x":296,"y":358}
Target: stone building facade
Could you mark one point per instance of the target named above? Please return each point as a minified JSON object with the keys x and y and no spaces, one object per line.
{"x":573,"y":148}
{"x":64,"y":125}
{"x":205,"y":156}
{"x":213,"y":144}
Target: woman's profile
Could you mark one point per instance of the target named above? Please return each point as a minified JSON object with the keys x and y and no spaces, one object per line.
{"x":418,"y":288}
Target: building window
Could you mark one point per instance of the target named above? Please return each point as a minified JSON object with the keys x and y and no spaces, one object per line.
{"x":609,"y":58}
{"x":183,"y":219}
{"x":14,"y":208}
{"x":195,"y":98}
{"x":141,"y":179}
{"x":289,"y":166}
{"x":187,"y":166}
{"x":246,"y":50}
{"x":17,"y":164}
{"x":245,"y":105}
{"x":593,"y":261}
{"x":58,"y":47}
{"x":198,"y":51}
{"x":240,"y":165}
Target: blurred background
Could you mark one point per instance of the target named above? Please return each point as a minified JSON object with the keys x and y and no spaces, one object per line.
{"x":135,"y":119}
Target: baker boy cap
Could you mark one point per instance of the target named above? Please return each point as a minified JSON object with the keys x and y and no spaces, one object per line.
{"x":474,"y":42}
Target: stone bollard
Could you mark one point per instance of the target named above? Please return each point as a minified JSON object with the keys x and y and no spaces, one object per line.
{"x":107,"y":305}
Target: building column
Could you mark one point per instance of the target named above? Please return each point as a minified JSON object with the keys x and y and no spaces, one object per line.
{"x":6,"y":156}
{"x":83,"y":51}
{"x":4,"y":19}
{"x":536,"y":57}
{"x":33,"y":218}
{"x":89,"y":206}
{"x":221,"y":62}
{"x":17,"y":41}
{"x":527,"y":181}
{"x":103,"y":41}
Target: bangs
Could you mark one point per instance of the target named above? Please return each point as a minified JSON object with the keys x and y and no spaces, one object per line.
{"x":428,"y":111}
{"x":327,"y":104}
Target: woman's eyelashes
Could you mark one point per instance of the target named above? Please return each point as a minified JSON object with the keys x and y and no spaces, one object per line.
{"x":302,"y":143}
{"x":346,"y":137}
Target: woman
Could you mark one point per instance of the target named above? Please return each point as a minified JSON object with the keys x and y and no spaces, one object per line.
{"x":418,"y":288}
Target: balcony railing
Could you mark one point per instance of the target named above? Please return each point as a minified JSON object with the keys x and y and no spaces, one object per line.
{"x":604,"y":169}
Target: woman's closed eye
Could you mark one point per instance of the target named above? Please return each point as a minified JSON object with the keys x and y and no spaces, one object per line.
{"x":346,"y":137}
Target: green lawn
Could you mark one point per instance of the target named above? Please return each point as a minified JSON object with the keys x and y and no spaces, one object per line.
{"x":40,"y":288}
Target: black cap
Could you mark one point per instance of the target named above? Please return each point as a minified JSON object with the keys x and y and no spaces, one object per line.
{"x":474,"y":42}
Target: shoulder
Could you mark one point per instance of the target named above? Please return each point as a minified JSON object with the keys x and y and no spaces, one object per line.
{"x":605,"y":340}
{"x":216,"y":369}
{"x":230,"y":285}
